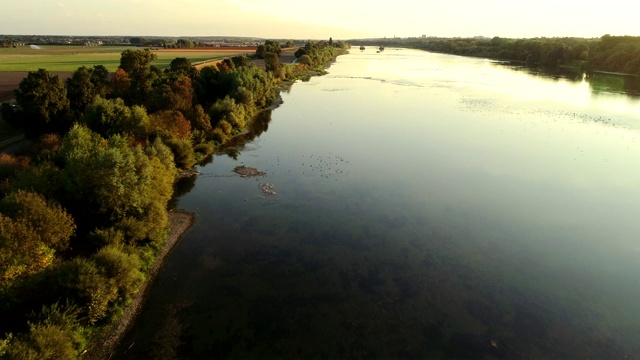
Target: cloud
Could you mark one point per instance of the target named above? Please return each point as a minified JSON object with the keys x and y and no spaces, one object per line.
{"x":61,"y":4}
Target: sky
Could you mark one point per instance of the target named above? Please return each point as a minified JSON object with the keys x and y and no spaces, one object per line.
{"x":339,"y":19}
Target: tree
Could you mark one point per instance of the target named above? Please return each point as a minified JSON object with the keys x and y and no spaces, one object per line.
{"x":107,"y":184}
{"x":305,"y":60}
{"x":120,"y":85}
{"x":31,"y":231}
{"x":122,"y":267}
{"x":270,"y":46}
{"x":185,"y":43}
{"x":42,"y":98}
{"x":182,"y":152}
{"x":173,"y":92}
{"x":138,"y":41}
{"x":240,"y":61}
{"x":260,"y":51}
{"x":199,"y":118}
{"x":301,"y":51}
{"x":137,"y":64}
{"x":48,"y":219}
{"x":170,"y":124}
{"x":111,"y":117}
{"x":100,"y":80}
{"x":182,"y":66}
{"x":55,"y":335}
{"x":272,"y":62}
{"x":80,"y":89}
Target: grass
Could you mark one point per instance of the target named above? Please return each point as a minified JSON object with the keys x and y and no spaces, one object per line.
{"x":70,"y":58}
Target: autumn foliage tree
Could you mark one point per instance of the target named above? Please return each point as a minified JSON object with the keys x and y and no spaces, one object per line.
{"x":32,"y":230}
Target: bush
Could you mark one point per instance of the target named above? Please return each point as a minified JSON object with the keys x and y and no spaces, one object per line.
{"x":219,"y":136}
{"x":170,"y":124}
{"x":305,"y":60}
{"x":182,"y":153}
{"x":44,"y":342}
{"x":86,"y":285}
{"x":10,"y":164}
{"x":204,"y":149}
{"x":122,"y":267}
{"x":55,"y":335}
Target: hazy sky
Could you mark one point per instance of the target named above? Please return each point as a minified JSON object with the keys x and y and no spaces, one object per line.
{"x":340,"y":19}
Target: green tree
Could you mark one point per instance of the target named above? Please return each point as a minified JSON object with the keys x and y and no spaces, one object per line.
{"x":122,"y":267}
{"x":80,"y":89}
{"x":270,"y":46}
{"x":185,"y":43}
{"x":272,"y":62}
{"x":31,"y":231}
{"x":42,"y":98}
{"x":110,"y":184}
{"x":199,"y":119}
{"x":138,"y":41}
{"x":137,"y":64}
{"x":85,"y":84}
{"x":182,"y":66}
{"x":112,"y":117}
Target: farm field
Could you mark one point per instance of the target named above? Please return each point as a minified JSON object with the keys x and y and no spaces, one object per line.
{"x":70,"y":58}
{"x":15,"y":63}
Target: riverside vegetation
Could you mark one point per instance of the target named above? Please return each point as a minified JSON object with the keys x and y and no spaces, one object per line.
{"x":84,"y":213}
{"x":620,"y":54}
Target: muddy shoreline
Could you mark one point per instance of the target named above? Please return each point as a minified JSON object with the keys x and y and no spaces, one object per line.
{"x":179,"y":223}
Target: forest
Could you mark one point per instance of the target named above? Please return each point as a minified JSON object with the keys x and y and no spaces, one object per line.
{"x":85,"y":211}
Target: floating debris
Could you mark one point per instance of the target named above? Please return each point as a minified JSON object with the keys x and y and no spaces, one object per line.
{"x":188,"y":173}
{"x":247,"y":172}
{"x":268,"y":189}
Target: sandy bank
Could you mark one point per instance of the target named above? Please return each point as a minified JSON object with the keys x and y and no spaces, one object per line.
{"x":179,"y":223}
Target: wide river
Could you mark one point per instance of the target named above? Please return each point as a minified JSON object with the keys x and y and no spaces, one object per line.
{"x":427,"y":205}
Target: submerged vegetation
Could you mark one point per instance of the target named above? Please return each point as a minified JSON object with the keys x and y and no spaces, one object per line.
{"x":83,"y":215}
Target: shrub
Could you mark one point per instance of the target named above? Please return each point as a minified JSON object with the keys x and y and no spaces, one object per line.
{"x":122,"y":267}
{"x":86,"y":284}
{"x":305,"y":60}
{"x":204,"y":148}
{"x":182,"y":152}
{"x":10,"y":164}
{"x":219,"y":136}
{"x":44,"y":342}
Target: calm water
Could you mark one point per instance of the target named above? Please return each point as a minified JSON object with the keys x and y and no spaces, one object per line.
{"x":427,"y":206}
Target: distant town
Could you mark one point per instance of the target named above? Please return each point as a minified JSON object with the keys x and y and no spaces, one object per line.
{"x":147,"y":41}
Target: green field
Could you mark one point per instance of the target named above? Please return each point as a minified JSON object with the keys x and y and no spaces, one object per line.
{"x":70,"y":58}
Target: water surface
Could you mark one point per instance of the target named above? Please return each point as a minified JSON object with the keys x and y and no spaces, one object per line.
{"x":427,"y":206}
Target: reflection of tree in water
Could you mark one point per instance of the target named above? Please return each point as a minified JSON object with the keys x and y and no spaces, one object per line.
{"x":260,"y":125}
{"x":549,"y":72}
{"x":598,"y":82}
{"x":612,"y":83}
{"x":181,"y":187}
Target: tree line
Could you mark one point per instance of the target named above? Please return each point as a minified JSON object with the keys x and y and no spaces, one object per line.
{"x":607,"y":53}
{"x":84,"y":213}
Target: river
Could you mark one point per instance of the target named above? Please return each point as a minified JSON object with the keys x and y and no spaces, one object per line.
{"x":427,"y":205}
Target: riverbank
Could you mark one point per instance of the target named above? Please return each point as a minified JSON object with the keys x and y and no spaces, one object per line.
{"x":179,"y":223}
